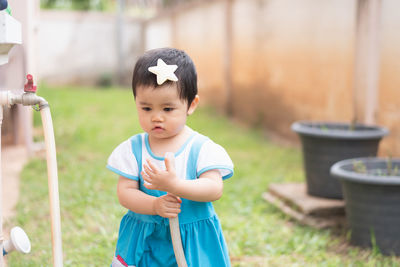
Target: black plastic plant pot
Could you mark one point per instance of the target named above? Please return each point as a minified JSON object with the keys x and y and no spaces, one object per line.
{"x":325,"y":143}
{"x":372,"y":201}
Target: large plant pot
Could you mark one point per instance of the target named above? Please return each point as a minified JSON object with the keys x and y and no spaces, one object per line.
{"x":325,"y":143}
{"x":372,"y":203}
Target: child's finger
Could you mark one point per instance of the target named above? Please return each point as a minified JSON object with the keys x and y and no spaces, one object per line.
{"x":174,"y":198}
{"x":145,"y":176}
{"x":171,"y":202}
{"x":175,"y":211}
{"x":178,"y":199}
{"x":148,"y":182}
{"x":169,"y":161}
{"x":149,"y":186}
{"x":152,"y":166}
{"x":147,"y":169}
{"x":173,"y":205}
{"x":170,"y":215}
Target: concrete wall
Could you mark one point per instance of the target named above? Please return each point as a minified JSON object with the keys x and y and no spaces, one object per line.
{"x":291,"y":60}
{"x":199,"y":30}
{"x":389,"y":94}
{"x":272,"y":63}
{"x":80,"y":46}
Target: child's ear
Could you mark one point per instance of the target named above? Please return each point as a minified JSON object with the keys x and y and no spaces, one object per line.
{"x":193,"y":105}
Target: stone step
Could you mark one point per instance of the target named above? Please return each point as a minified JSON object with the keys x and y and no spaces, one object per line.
{"x":293,"y":200}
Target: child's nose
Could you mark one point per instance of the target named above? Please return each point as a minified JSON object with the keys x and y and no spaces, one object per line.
{"x":157,"y":117}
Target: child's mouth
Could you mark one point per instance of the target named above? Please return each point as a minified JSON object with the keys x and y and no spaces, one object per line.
{"x":158,"y":128}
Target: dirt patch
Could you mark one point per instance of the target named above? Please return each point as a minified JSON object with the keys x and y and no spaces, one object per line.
{"x":13,"y":159}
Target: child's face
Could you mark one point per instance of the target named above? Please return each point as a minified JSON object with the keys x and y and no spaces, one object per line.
{"x":162,"y":114}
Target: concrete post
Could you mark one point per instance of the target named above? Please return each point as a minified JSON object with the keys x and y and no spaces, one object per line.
{"x":228,"y":57}
{"x":366,"y":65}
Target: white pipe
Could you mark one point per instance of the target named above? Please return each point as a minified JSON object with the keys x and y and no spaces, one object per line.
{"x":53,"y":186}
{"x":177,"y":242}
{"x":27,"y":99}
{"x":4,"y":99}
{"x":31,"y":99}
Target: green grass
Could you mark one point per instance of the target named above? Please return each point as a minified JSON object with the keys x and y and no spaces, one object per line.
{"x":89,"y":123}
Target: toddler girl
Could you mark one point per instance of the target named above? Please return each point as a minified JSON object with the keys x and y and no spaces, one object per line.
{"x":169,"y":170}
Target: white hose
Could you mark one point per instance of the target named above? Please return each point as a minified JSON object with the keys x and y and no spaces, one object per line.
{"x":177,"y":242}
{"x":53,"y":186}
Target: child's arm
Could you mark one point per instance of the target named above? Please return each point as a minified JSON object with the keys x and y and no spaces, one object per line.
{"x":132,"y":198}
{"x":208,"y":187}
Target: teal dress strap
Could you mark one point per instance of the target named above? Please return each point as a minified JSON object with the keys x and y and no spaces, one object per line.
{"x":136,"y":143}
{"x":191,"y":171}
{"x":193,"y":211}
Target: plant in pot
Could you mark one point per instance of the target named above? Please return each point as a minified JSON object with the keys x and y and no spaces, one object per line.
{"x":371,"y":189}
{"x":325,"y":143}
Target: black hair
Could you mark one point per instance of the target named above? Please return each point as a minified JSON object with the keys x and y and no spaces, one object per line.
{"x":186,"y":72}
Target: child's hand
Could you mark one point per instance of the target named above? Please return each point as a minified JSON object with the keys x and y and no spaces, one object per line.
{"x":167,"y":206}
{"x":157,"y":179}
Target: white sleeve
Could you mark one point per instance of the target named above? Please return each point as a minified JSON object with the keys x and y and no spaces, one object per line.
{"x":214,"y":157}
{"x":122,"y":161}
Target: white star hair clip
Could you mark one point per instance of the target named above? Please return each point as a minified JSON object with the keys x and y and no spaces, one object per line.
{"x":164,"y":72}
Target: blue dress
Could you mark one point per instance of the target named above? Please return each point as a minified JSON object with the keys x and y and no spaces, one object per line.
{"x":144,"y":240}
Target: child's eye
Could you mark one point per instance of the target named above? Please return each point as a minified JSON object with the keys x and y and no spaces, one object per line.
{"x":168,"y":109}
{"x":146,"y":108}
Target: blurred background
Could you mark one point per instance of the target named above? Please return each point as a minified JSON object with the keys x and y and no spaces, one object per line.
{"x":265,"y":62}
{"x":262,"y":65}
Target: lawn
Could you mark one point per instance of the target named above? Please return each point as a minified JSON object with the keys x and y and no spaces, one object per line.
{"x":90,"y":122}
